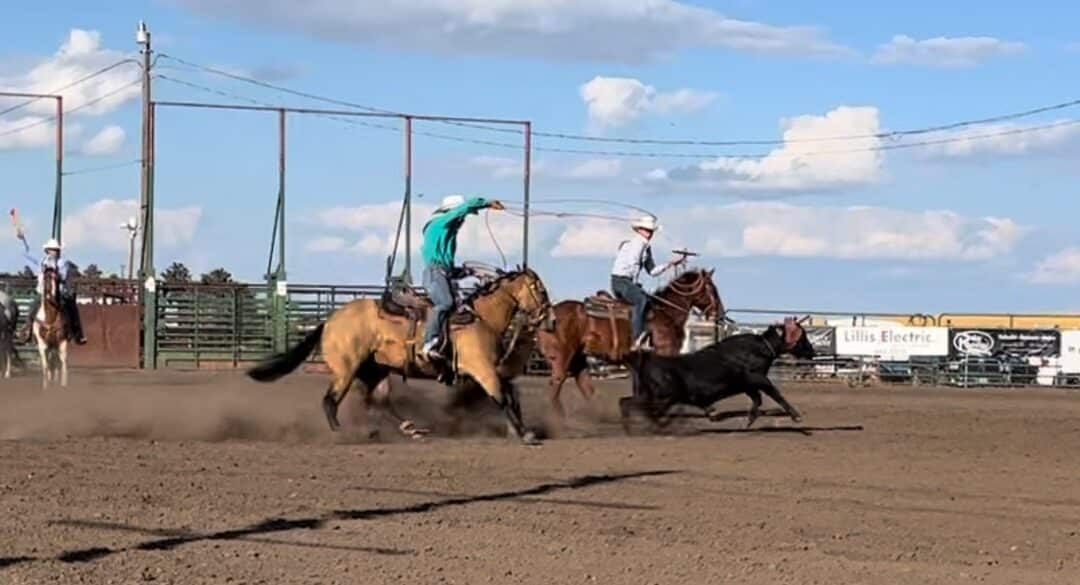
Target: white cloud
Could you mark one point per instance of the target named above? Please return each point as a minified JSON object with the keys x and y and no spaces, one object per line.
{"x":598,"y":30}
{"x":945,"y":52}
{"x":617,"y":101}
{"x":38,"y":133}
{"x":802,"y":164}
{"x":326,"y":244}
{"x":109,"y":141}
{"x":590,"y":239}
{"x":1003,"y":140}
{"x":1060,"y":268}
{"x":779,"y":229}
{"x":79,"y":56}
{"x":98,"y":225}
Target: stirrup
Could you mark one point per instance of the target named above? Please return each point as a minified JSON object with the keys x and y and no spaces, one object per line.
{"x":642,"y":342}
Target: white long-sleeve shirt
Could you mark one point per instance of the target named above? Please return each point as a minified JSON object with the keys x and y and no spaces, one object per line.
{"x":634,"y":255}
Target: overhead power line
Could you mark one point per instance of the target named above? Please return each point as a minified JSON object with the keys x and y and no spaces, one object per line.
{"x":341,"y":119}
{"x":83,"y":79}
{"x":658,"y":141}
{"x":87,"y":104}
{"x":657,"y":154}
{"x":102,"y":168}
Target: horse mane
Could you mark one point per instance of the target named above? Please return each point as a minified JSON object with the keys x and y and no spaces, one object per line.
{"x":490,"y":286}
{"x":685,"y":278}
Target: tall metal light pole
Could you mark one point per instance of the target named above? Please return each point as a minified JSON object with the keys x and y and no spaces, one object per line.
{"x":146,"y":205}
{"x":147,"y":273}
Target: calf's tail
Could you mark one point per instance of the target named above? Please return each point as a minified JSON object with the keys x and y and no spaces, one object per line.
{"x":277,"y":366}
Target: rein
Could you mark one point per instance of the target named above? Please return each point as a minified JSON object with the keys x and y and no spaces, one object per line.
{"x":683,"y":291}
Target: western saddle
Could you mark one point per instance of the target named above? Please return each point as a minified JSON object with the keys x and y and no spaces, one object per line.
{"x":401,"y":300}
{"x":605,"y":308}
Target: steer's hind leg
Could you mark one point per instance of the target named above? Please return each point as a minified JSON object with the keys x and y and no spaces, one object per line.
{"x":755,"y":406}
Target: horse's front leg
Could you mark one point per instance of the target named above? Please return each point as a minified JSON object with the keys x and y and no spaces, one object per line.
{"x":43,"y":355}
{"x":63,"y":351}
{"x":503,"y":393}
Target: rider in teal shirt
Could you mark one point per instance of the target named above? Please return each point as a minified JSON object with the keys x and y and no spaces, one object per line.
{"x":438,"y":252}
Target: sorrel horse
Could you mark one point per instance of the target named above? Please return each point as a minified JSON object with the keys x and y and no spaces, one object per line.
{"x":578,"y":335}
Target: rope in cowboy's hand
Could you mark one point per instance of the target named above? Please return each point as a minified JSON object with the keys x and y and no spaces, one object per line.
{"x":494,"y":240}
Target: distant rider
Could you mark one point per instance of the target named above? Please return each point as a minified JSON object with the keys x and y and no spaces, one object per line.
{"x":62,"y":266}
{"x":634,"y":255}
{"x":439,"y":251}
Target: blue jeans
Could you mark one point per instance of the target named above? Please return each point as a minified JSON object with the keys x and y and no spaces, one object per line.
{"x":441,"y":292}
{"x":631,"y":292}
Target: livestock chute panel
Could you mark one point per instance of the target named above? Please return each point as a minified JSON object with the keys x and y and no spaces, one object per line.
{"x":309,"y":305}
{"x":213,"y":326}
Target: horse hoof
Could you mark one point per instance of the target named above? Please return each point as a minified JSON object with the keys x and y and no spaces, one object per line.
{"x":529,"y":439}
{"x":409,"y":429}
{"x":796,"y":418}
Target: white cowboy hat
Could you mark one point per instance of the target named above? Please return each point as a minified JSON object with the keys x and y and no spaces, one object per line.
{"x":646,"y":222}
{"x":449,"y":202}
{"x":52,"y":244}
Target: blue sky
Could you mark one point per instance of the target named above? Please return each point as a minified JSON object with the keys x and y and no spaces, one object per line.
{"x":983,"y":223}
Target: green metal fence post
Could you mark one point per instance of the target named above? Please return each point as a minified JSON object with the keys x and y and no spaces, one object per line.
{"x":150,"y":322}
{"x":277,"y":303}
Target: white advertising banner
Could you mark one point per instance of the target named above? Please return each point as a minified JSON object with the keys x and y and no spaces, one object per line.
{"x":1070,"y":352}
{"x":892,"y":343}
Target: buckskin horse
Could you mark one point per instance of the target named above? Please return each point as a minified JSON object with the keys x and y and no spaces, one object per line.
{"x":368,"y":339}
{"x":51,"y":331}
{"x":600,"y":327}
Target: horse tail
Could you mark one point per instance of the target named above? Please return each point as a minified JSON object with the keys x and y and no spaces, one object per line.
{"x":277,"y":366}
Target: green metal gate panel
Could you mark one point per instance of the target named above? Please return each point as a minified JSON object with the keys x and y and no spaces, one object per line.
{"x":209,"y":326}
{"x":309,"y":305}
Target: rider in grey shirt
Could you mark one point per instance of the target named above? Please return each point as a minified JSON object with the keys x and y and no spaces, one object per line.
{"x":633,"y":256}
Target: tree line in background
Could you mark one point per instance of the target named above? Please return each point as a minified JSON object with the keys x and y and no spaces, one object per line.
{"x":176,"y":273}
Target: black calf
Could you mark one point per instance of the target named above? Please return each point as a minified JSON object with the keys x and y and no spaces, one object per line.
{"x":737,"y":365}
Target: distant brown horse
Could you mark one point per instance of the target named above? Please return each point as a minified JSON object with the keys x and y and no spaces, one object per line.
{"x":578,"y":335}
{"x":51,"y":331}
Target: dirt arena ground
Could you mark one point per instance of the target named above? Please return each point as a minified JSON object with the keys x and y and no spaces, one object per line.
{"x":189,"y":478}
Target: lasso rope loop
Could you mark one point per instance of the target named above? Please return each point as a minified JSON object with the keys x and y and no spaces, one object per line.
{"x":519,"y":211}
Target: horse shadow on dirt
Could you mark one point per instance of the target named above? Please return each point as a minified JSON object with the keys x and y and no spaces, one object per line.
{"x":171,"y":539}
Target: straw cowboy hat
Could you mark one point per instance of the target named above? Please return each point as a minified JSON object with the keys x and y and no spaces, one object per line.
{"x":646,"y":222}
{"x":449,"y":202}
{"x":52,"y":244}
